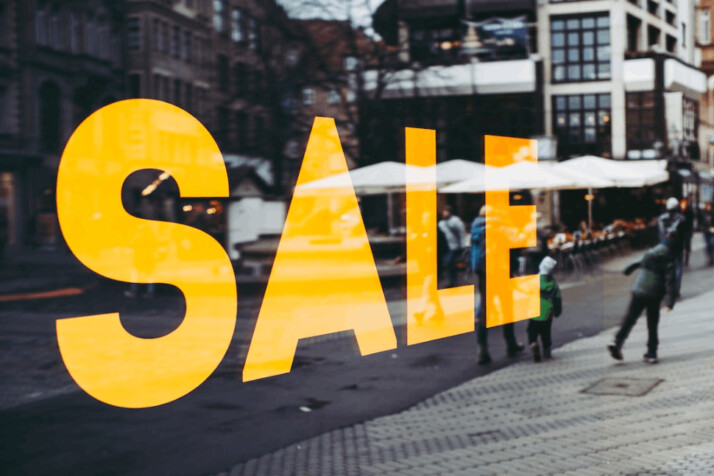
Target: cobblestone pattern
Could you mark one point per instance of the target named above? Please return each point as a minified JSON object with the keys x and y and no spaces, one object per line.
{"x":534,"y":419}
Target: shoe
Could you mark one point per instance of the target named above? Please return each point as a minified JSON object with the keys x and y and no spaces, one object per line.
{"x":483,"y":357}
{"x":546,"y":353}
{"x":535,"y":350}
{"x":650,"y":357}
{"x":615,"y":351}
{"x":517,"y":349}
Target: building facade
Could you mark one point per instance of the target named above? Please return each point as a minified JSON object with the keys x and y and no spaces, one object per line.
{"x":60,"y":62}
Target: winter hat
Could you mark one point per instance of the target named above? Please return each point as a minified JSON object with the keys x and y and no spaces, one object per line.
{"x":672,"y":203}
{"x":547,"y":265}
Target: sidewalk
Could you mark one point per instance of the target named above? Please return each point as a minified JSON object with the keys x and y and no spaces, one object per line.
{"x":536,"y":419}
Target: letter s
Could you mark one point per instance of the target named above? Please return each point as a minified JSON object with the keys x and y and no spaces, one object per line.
{"x":110,"y":364}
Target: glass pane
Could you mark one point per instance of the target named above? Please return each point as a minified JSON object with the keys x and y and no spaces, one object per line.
{"x":556,"y":25}
{"x":573,"y":39}
{"x":574,"y":73}
{"x":559,"y":73}
{"x":588,"y":38}
{"x":589,"y":101}
{"x":588,"y":23}
{"x":574,"y":102}
{"x":560,"y":120}
{"x":603,"y":21}
{"x":557,"y":39}
{"x":648,"y":100}
{"x":590,"y":135}
{"x":558,"y":56}
{"x":633,"y":100}
{"x":603,"y":37}
{"x":574,"y":119}
{"x":574,"y":24}
{"x":590,"y":119}
{"x":603,"y":71}
{"x":589,"y":72}
{"x":560,"y":103}
{"x":603,"y":118}
{"x":604,"y":101}
{"x":603,"y":53}
{"x":588,"y":54}
{"x":573,"y":55}
{"x":574,"y":135}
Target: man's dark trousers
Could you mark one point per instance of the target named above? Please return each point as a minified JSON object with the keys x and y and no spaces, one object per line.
{"x":482,"y":331}
{"x":637,"y":305}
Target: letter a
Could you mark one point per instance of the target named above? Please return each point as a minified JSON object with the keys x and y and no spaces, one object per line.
{"x":324,"y":278}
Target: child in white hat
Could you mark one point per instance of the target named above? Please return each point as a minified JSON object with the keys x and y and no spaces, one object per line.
{"x":551,"y":305}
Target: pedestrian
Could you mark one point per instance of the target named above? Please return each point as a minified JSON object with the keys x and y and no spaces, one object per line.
{"x":687,"y":229}
{"x":671,"y":222}
{"x":706,"y":221}
{"x":455,"y":234}
{"x":655,"y":280}
{"x":551,"y":305}
{"x":478,"y":267}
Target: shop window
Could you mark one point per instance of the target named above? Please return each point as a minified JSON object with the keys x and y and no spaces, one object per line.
{"x":582,"y":123}
{"x":690,"y":123}
{"x":580,"y":48}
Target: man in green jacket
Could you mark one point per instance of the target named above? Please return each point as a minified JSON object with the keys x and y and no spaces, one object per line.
{"x":656,"y":279}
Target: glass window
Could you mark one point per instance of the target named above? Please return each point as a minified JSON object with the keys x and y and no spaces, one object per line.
{"x":583,"y":61}
{"x":582,"y":123}
{"x":218,"y":11}
{"x":237,"y":25}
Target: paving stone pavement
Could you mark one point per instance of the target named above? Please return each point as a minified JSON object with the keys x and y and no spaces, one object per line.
{"x":535,"y":419}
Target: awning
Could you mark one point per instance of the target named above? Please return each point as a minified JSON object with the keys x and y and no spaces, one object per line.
{"x":518,"y":176}
{"x":620,"y":173}
{"x":375,"y":179}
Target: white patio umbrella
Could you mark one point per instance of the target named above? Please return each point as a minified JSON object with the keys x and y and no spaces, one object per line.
{"x":375,"y":179}
{"x":606,"y":169}
{"x":652,"y":171}
{"x":518,"y":176}
{"x":457,"y":170}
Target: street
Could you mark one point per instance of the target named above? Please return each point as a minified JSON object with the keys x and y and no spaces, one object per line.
{"x":50,"y":426}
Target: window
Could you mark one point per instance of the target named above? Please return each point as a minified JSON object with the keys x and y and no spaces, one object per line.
{"x":165,"y":37}
{"x":177,"y":42}
{"x":580,"y":48}
{"x":157,"y":87}
{"x":633,"y":33}
{"x":308,"y":96}
{"x":350,"y":63}
{"x":156,"y":33}
{"x":253,"y":34}
{"x":241,"y":131}
{"x":50,"y":117}
{"x":56,"y":29}
{"x":133,"y":38}
{"x":237,"y":25}
{"x":333,"y":97}
{"x":187,"y":46}
{"x":690,"y":125}
{"x":188,"y":98}
{"x":653,"y":8}
{"x":239,"y":78}
{"x":76,"y":33}
{"x":41,"y":26}
{"x":218,"y":8}
{"x":177,"y":93}
{"x":670,"y":18}
{"x":223,"y":72}
{"x":582,"y":123}
{"x":640,"y":125}
{"x":671,"y":43}
{"x":135,"y":85}
{"x":653,"y":35}
{"x":705,"y":28}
